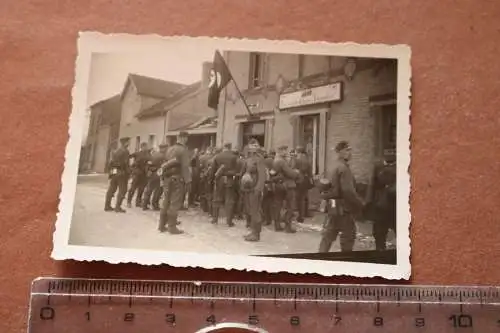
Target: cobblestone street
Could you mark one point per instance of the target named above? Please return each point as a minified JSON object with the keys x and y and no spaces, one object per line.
{"x":137,"y":229}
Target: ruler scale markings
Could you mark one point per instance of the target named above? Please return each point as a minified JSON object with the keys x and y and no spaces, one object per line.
{"x":363,"y":296}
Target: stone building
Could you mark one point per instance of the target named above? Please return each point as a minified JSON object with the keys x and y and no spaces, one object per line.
{"x":313,"y":101}
{"x":103,"y":135}
{"x":157,"y":110}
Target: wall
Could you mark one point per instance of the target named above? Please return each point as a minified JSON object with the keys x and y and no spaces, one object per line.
{"x":352,"y":119}
{"x":190,"y":110}
{"x":130,"y":126}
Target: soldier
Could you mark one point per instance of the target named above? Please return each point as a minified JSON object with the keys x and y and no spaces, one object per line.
{"x":285,"y":190}
{"x":224,"y":170}
{"x":343,"y":203}
{"x":252,"y":186}
{"x":139,"y":177}
{"x":194,"y":191}
{"x":238,"y":209}
{"x":118,"y":176}
{"x":268,"y":196}
{"x":381,"y":199}
{"x":304,"y":184}
{"x":176,"y":177}
{"x":203,"y":179}
{"x":154,"y":187}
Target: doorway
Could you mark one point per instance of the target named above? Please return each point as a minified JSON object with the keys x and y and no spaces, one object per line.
{"x":253,"y":130}
{"x":309,"y":139}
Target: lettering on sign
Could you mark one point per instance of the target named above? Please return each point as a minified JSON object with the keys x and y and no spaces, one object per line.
{"x":323,"y":94}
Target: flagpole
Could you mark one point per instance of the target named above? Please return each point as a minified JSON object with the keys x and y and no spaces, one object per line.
{"x":250,"y":113}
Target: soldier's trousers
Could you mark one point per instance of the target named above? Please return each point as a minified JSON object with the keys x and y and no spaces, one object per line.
{"x":139,"y":182}
{"x":268,"y":207}
{"x":174,"y":191}
{"x":301,"y":197}
{"x":194,"y":191}
{"x":224,"y":196}
{"x":153,"y":192}
{"x":284,"y":199}
{"x":386,"y":219}
{"x":116,"y":182}
{"x":344,"y":225}
{"x":252,"y":202}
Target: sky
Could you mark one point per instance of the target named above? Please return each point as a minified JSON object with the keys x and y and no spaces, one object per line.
{"x":109,"y":71}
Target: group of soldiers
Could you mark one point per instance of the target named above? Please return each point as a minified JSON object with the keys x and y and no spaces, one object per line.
{"x":263,"y":188}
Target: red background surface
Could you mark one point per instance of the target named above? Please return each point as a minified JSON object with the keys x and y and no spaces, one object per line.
{"x":456,"y":98}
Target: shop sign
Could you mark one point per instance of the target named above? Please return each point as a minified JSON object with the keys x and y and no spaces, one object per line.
{"x":323,"y":94}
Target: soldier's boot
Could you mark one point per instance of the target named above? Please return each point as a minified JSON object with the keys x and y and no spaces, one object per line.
{"x":107,"y":203}
{"x":249,"y":222}
{"x":325,"y":244}
{"x":288,"y":224}
{"x":162,"y":223}
{"x":254,"y":235}
{"x":118,"y":207}
{"x":277,"y":226}
{"x":130,"y":194}
{"x":156,"y":207}
{"x":172,"y":225}
{"x":215,"y":214}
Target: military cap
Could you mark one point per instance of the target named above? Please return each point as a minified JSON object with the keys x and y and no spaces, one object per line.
{"x":253,"y":142}
{"x":228,"y":145}
{"x":124,"y":140}
{"x":283,"y":147}
{"x":163,"y":145}
{"x":341,"y":146}
{"x":183,"y":133}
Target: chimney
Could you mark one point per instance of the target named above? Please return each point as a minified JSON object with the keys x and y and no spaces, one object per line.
{"x":205,"y":74}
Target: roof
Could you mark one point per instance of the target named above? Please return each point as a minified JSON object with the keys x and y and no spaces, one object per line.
{"x":162,"y":106}
{"x":205,"y":122}
{"x":112,"y":101}
{"x":153,"y":87}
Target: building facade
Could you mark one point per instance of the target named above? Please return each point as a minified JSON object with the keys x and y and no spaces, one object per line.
{"x":312,"y":101}
{"x":103,"y":135}
{"x":157,"y":120}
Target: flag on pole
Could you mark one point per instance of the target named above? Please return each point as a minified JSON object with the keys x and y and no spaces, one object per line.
{"x":219,"y":78}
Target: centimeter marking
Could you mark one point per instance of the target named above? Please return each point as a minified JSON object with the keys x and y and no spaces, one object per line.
{"x":296,"y":293}
{"x":48,"y":294}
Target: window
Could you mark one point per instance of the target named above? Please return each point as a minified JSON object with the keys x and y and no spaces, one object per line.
{"x":256,"y":70}
{"x":152,"y":141}
{"x":309,"y":139}
{"x":137,"y":143}
{"x":254,"y":130}
{"x":388,"y":128}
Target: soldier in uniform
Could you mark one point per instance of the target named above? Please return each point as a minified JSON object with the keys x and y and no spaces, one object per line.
{"x":194,"y":191}
{"x":224,"y":171}
{"x":154,"y":189}
{"x":381,"y":199}
{"x":238,"y":210}
{"x":139,"y":177}
{"x":343,"y":204}
{"x":176,"y":176}
{"x":304,"y":184}
{"x":203,"y":187}
{"x":268,"y":196}
{"x":252,"y":186}
{"x":285,"y":190}
{"x":118,"y":176}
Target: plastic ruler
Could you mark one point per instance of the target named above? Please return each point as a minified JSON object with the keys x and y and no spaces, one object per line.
{"x":81,"y":305}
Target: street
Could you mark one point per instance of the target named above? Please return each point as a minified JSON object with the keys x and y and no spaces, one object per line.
{"x":137,"y":229}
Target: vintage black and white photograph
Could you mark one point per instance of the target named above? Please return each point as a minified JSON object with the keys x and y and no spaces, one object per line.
{"x":239,"y":154}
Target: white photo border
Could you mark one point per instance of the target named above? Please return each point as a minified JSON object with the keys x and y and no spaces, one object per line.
{"x":94,"y":42}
